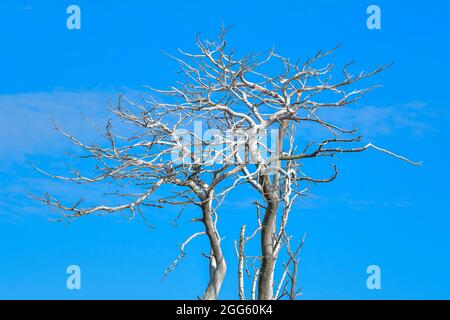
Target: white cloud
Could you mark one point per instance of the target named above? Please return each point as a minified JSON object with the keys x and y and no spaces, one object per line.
{"x":27,"y":134}
{"x":411,"y":120}
{"x":25,"y":126}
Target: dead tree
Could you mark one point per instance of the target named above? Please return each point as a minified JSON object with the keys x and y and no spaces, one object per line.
{"x":241,"y":102}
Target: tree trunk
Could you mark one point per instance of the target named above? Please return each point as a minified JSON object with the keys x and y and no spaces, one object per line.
{"x":270,"y":193}
{"x":217,"y":265}
{"x":265,"y":283}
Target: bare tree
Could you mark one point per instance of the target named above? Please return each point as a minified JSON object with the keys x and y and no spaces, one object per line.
{"x":241,"y":101}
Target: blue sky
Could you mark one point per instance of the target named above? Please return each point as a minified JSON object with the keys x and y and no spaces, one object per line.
{"x":379,"y":211}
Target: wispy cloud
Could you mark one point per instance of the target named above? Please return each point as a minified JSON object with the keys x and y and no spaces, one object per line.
{"x":27,"y":134}
{"x":414,"y":118}
{"x":26,"y":129}
{"x":411,"y":120}
{"x":25,"y":126}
